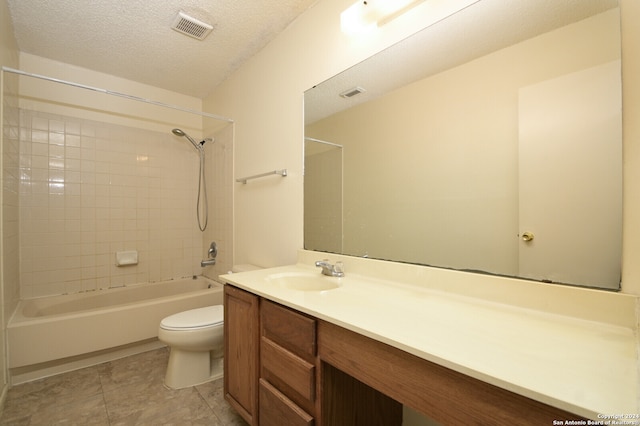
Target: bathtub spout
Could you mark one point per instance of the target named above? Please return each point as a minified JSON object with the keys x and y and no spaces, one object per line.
{"x":208,"y":262}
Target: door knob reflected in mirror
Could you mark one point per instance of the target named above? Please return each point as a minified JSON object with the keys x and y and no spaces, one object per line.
{"x":527,"y":236}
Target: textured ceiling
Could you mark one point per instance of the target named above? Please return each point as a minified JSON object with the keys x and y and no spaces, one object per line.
{"x":133,"y":39}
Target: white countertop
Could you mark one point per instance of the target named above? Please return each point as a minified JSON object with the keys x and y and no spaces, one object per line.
{"x":579,"y":365}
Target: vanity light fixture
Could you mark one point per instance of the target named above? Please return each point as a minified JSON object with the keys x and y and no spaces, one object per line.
{"x":366,"y":15}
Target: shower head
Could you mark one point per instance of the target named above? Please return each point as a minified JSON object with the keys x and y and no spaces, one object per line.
{"x":181,"y":133}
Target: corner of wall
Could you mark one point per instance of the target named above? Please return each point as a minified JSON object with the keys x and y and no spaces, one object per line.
{"x":630,"y":15}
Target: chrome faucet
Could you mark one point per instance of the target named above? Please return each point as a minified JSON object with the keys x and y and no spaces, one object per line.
{"x":211,"y":256}
{"x":208,"y":262}
{"x":329,"y":269}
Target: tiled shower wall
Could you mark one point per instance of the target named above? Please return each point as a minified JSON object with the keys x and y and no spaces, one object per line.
{"x":220,"y":182}
{"x":90,"y":189}
{"x":10,"y":195}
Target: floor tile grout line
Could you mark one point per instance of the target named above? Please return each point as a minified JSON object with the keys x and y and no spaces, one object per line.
{"x":206,"y":402}
{"x":118,"y":376}
{"x":104,"y":399}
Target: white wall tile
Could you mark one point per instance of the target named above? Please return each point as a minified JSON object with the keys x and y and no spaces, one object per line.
{"x":88,"y":189}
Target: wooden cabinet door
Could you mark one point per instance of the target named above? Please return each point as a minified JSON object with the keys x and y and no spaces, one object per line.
{"x":241,"y":352}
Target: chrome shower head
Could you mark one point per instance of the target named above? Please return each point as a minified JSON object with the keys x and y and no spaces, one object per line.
{"x":181,"y":133}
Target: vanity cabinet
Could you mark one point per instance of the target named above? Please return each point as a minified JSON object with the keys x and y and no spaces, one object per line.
{"x":286,"y":368}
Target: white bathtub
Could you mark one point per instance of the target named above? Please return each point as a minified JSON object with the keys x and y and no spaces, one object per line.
{"x":54,"y":328}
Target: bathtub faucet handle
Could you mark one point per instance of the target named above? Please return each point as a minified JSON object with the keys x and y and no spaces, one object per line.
{"x":211,"y":256}
{"x":213,"y":250}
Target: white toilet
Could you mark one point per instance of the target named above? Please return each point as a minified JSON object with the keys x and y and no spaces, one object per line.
{"x":196,"y":341}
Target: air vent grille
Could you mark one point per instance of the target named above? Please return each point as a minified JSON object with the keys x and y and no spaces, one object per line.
{"x":192,"y":27}
{"x":352,"y":92}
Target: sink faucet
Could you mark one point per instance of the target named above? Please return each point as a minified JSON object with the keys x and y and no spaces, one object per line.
{"x":329,"y":269}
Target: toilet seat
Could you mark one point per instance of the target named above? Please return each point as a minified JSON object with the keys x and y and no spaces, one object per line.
{"x":194,"y":319}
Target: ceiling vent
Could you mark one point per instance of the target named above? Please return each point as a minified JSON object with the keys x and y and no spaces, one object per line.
{"x":192,"y":27}
{"x":352,"y":92}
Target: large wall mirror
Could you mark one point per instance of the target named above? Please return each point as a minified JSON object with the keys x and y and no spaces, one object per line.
{"x":490,"y":141}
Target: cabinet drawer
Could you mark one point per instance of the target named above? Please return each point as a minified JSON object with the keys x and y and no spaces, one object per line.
{"x":289,"y":373}
{"x":292,"y":330}
{"x":277,"y":410}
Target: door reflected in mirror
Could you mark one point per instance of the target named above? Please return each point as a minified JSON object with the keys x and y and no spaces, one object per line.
{"x":513,"y":126}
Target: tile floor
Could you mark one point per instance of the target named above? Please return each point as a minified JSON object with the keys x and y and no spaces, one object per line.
{"x":127,"y":391}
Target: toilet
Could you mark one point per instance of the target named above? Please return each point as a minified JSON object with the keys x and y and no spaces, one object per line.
{"x":196,"y":341}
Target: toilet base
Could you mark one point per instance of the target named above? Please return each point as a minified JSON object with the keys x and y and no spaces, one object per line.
{"x":188,"y":368}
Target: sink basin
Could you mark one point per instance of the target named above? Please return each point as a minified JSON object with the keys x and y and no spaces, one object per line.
{"x":304,"y":281}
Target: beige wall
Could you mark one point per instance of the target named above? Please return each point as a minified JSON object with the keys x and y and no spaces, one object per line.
{"x":265,"y":98}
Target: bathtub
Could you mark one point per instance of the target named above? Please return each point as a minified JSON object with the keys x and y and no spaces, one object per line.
{"x":54,"y":328}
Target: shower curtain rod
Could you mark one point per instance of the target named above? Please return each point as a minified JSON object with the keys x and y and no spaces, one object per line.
{"x":119,"y":94}
{"x":324,"y":142}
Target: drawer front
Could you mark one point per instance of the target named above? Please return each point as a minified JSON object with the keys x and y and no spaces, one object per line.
{"x":277,"y":410}
{"x":291,"y":330}
{"x":289,"y":373}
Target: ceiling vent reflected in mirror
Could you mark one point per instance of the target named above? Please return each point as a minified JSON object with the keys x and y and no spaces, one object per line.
{"x":352,"y":92}
{"x":190,"y":26}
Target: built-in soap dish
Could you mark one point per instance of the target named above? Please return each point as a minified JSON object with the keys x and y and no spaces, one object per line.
{"x":125,"y":258}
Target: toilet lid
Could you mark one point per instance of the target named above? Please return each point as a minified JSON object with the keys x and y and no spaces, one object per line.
{"x":195,"y":318}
